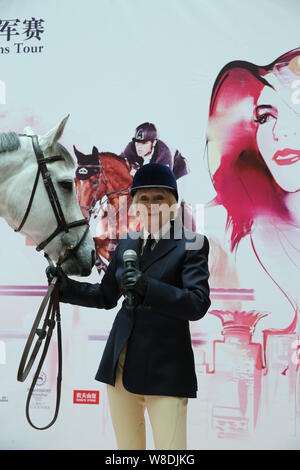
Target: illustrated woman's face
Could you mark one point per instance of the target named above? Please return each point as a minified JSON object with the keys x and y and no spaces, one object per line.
{"x":278,"y":138}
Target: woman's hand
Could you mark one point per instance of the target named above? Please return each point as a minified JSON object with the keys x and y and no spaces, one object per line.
{"x":56,"y":271}
{"x":134,"y":281}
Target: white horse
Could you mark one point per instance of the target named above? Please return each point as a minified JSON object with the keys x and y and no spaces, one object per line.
{"x":18,"y":168}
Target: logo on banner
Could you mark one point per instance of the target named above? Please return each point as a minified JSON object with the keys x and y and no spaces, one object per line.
{"x":140,"y":135}
{"x":42,"y":379}
{"x":86,"y":397}
{"x":17,"y":35}
{"x":41,"y":396}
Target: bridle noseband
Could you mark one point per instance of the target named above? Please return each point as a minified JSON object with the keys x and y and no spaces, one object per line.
{"x":62,"y":225}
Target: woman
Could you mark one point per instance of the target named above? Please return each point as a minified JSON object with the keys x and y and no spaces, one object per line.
{"x":148,"y":360}
{"x":253,"y":142}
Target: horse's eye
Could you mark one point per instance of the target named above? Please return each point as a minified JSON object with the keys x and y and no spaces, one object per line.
{"x":67,"y":185}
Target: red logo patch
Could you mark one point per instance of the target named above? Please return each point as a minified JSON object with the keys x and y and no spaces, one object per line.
{"x":86,"y":397}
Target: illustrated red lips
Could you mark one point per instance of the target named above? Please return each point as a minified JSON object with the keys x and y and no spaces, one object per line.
{"x":286,"y":156}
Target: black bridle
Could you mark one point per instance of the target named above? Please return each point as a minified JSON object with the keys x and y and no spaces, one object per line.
{"x":62,"y":225}
{"x":51,"y":299}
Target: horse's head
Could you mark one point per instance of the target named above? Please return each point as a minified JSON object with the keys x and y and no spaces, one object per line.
{"x":41,"y":220}
{"x":98,"y":175}
{"x":88,"y":180}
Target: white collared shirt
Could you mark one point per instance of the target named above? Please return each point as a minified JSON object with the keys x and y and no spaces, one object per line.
{"x":157,"y":235}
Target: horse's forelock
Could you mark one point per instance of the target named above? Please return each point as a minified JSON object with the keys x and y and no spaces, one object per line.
{"x":10,"y":141}
{"x":59,"y":149}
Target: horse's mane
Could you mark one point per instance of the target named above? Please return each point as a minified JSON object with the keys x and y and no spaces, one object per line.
{"x":111,"y":154}
{"x":118,"y":166}
{"x":119,"y":158}
{"x":9,"y":141}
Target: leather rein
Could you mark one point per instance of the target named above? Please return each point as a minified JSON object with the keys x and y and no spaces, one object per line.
{"x":52,"y":317}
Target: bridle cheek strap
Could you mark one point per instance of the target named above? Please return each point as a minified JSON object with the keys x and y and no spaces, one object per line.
{"x":62,"y":225}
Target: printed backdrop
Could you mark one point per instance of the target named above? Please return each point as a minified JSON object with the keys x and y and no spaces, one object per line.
{"x":220,"y":80}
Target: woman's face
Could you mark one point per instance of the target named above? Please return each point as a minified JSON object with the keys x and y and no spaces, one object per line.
{"x":278,"y":138}
{"x":154,"y":208}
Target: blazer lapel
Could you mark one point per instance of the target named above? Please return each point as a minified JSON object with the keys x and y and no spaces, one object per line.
{"x":163,"y":246}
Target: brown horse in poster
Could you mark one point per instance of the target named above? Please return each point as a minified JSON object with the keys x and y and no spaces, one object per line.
{"x":103,"y":182}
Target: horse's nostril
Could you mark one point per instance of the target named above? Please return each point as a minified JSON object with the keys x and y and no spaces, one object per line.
{"x":93,"y":257}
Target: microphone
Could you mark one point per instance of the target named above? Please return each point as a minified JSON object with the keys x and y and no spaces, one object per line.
{"x":129,"y":258}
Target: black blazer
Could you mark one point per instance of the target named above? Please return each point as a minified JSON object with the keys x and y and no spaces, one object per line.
{"x":159,"y":358}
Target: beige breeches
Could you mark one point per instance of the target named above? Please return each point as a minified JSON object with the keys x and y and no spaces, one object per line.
{"x":167,"y":416}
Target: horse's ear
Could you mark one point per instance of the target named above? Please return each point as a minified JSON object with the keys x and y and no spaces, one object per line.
{"x":52,"y":136}
{"x":77,"y":153}
{"x":95,"y":152}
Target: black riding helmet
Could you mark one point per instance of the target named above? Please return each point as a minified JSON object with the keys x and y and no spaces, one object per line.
{"x":154,"y":175}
